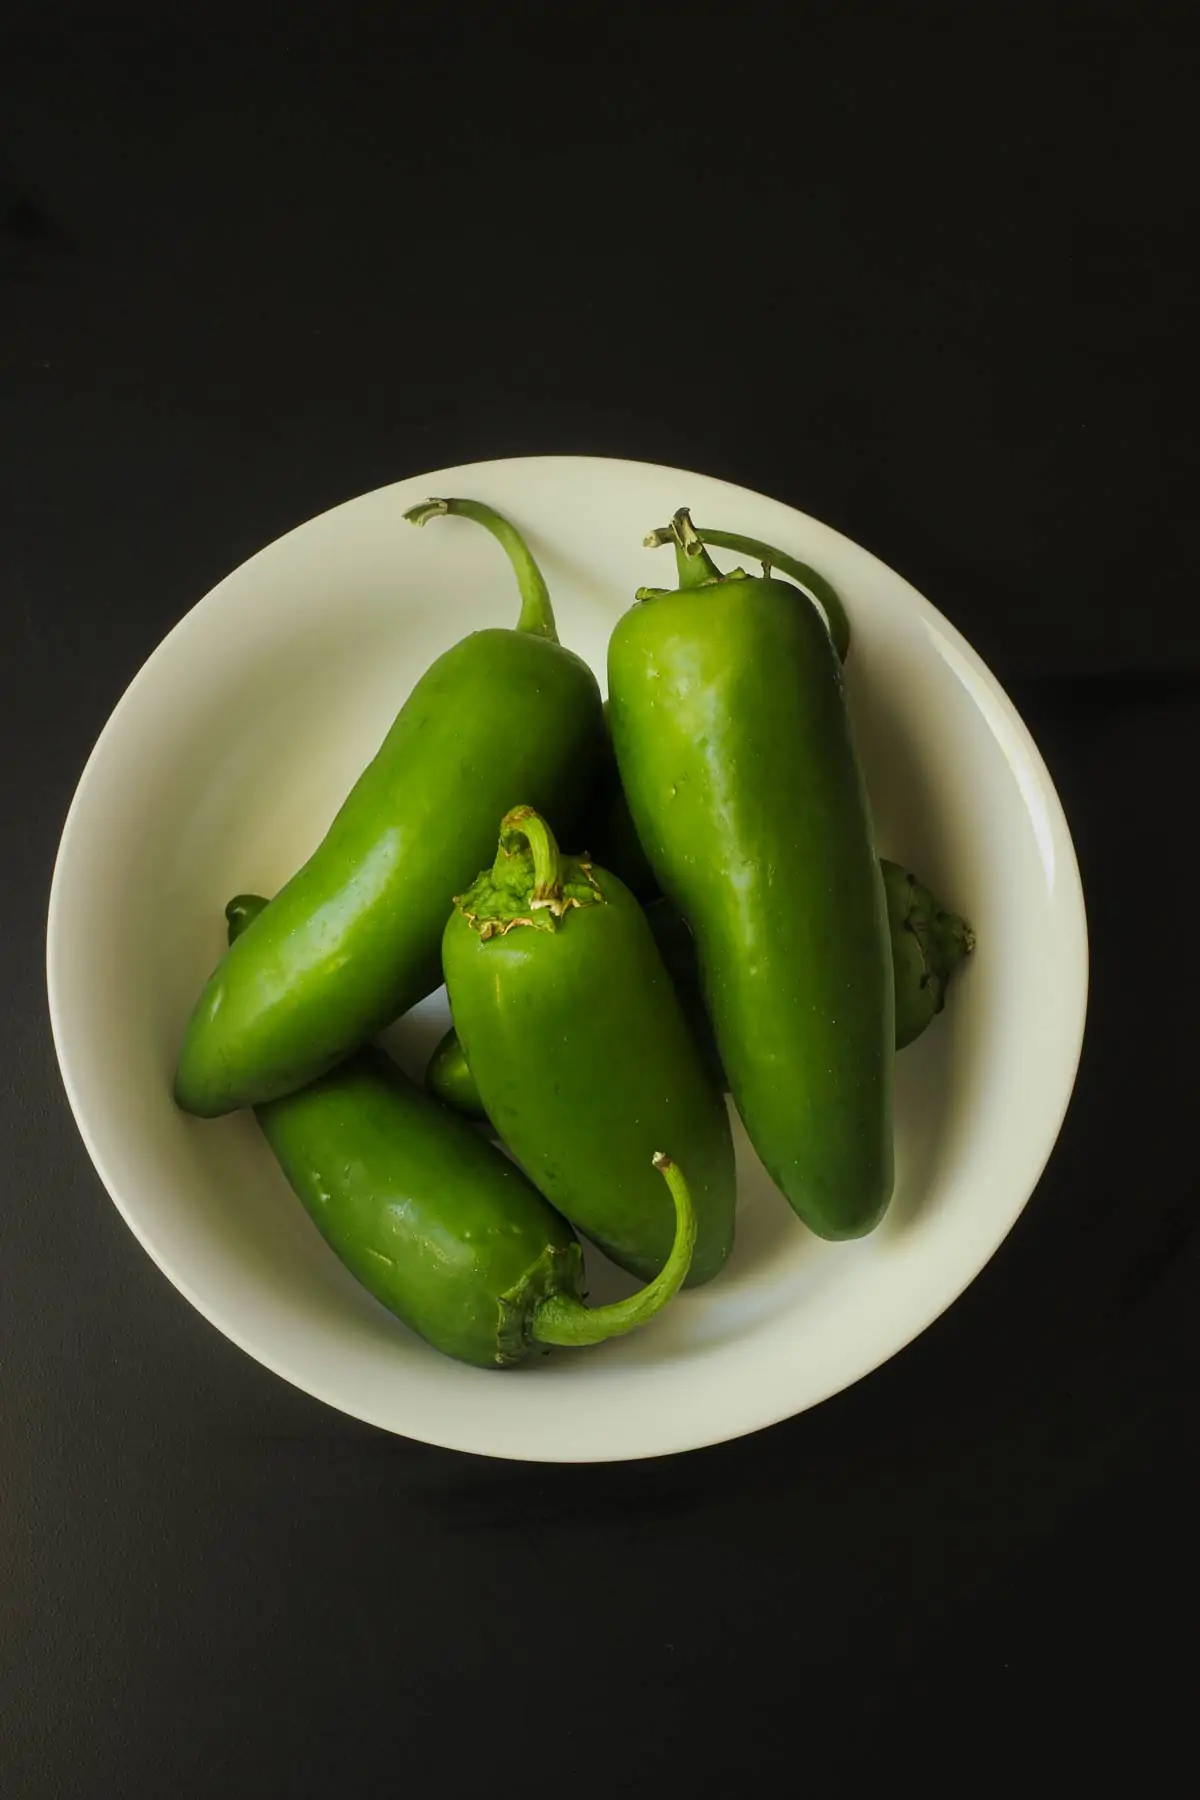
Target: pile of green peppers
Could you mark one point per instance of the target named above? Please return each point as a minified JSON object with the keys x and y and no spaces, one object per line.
{"x":734,"y":933}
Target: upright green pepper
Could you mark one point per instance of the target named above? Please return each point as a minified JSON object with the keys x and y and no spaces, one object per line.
{"x":583,"y":1059}
{"x":354,"y":937}
{"x":734,"y":745}
{"x":928,"y":945}
{"x":438,"y":1224}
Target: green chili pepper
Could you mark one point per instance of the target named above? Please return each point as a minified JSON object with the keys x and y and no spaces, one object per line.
{"x":573,"y":1032}
{"x":736,"y":756}
{"x":354,"y":938}
{"x":928,"y":945}
{"x":436,"y":1222}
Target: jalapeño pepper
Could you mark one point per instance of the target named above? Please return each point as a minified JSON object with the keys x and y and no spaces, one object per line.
{"x":735,"y":751}
{"x":354,"y":937}
{"x":580,"y":1051}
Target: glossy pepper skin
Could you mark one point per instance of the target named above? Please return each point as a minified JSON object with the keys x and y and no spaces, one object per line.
{"x":449,"y":1079}
{"x":734,"y":746}
{"x":928,"y":945}
{"x":354,"y":937}
{"x":580,"y":1051}
{"x":436,"y":1222}
{"x":609,"y":833}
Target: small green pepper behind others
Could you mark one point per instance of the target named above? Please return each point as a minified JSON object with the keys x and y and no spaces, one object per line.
{"x":574,"y":1034}
{"x":437,"y":1223}
{"x":354,"y":938}
{"x":449,"y":1080}
{"x":928,"y":945}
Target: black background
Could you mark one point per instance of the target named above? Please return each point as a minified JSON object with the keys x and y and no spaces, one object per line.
{"x":927,"y":273}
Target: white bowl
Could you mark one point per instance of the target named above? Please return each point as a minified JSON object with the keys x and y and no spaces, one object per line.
{"x":219,"y":771}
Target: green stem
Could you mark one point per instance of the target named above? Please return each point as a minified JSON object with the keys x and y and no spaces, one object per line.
{"x":561,"y":1319}
{"x":814,"y":584}
{"x":537,"y":614}
{"x":693,"y":564}
{"x":523,"y":826}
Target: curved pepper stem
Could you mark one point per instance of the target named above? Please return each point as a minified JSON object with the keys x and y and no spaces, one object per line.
{"x":814,"y":584}
{"x":523,"y":826}
{"x":561,"y":1319}
{"x":530,"y":883}
{"x":537,"y":614}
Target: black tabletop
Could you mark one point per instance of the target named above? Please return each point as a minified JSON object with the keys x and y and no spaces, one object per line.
{"x":926,"y":273}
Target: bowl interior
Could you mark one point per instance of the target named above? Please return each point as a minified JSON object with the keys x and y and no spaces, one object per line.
{"x":219,"y":772}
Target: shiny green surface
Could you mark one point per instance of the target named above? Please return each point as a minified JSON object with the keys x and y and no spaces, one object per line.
{"x":586,"y":1067}
{"x":353,"y":939}
{"x":928,"y":945}
{"x":734,"y":747}
{"x":437,"y":1223}
{"x":432,"y":1219}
